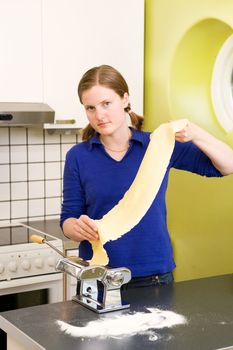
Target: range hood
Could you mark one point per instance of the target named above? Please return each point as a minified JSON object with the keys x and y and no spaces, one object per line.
{"x":25,"y":114}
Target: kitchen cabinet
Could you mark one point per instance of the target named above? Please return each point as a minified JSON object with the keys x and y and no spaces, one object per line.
{"x":21,"y":47}
{"x":206,"y":303}
{"x":49,"y":44}
{"x":80,"y":34}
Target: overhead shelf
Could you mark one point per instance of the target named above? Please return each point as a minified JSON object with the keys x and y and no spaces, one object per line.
{"x":64,"y":126}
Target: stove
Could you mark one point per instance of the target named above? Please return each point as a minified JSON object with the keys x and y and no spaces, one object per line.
{"x":20,"y":258}
{"x":27,"y":270}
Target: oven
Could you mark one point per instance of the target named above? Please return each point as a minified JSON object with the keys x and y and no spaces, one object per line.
{"x":27,"y":270}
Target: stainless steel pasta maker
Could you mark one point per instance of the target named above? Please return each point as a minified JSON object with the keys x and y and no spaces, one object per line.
{"x":99,"y":287}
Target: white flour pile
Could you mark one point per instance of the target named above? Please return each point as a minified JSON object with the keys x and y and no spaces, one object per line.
{"x":118,"y":326}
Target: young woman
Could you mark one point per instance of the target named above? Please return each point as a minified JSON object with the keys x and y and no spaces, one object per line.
{"x":100,"y":170}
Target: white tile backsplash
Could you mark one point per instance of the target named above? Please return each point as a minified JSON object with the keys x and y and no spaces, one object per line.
{"x":4,"y":136}
{"x":4,"y":173}
{"x":36,"y":189}
{"x":4,"y":191}
{"x":53,"y":188}
{"x":19,"y":190}
{"x":35,"y":153}
{"x":18,"y":136}
{"x":36,"y":171}
{"x":36,"y":207}
{"x":53,"y":206}
{"x":19,"y":209}
{"x":65,"y":149}
{"x":31,"y":172}
{"x":53,"y":170}
{"x":18,"y":154}
{"x":18,"y":172}
{"x":35,"y":136}
{"x":52,"y":138}
{"x":52,"y":153}
{"x":62,"y":167}
{"x":72,"y":138}
{"x":5,"y":208}
{"x":4,"y":154}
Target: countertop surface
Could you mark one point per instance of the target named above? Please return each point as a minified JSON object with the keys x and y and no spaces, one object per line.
{"x":52,"y":227}
{"x":206,"y":303}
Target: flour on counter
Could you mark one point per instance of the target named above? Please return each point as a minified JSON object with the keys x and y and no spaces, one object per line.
{"x":118,"y":326}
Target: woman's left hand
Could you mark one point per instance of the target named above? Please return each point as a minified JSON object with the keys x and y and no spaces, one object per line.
{"x":218,"y":152}
{"x":186,"y":134}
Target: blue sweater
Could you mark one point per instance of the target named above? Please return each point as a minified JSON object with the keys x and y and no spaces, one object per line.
{"x":94,"y":183}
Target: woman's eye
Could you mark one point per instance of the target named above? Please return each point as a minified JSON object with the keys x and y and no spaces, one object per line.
{"x":107,"y":103}
{"x":89,"y":108}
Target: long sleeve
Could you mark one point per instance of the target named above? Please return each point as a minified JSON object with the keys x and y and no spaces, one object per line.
{"x":73,"y":194}
{"x":189,"y":157}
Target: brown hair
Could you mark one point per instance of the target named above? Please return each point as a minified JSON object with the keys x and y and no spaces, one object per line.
{"x":109,"y":77}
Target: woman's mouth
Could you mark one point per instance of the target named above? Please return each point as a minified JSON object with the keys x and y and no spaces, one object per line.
{"x":103,"y":124}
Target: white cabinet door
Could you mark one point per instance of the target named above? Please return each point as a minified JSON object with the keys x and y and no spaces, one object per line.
{"x":20,"y":47}
{"x":46,"y":46}
{"x":80,"y":34}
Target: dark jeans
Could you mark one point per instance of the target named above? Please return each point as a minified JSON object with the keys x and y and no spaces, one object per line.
{"x":148,"y":281}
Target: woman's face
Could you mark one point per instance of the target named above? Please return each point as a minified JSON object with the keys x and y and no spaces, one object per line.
{"x":105,"y":109}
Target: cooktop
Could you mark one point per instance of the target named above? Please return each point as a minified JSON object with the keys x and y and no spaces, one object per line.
{"x":19,"y":233}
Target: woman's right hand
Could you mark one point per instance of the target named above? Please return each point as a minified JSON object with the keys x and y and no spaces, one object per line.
{"x":83,"y":228}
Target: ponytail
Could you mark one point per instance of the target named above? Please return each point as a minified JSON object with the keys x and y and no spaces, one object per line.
{"x":136,"y":120}
{"x":88,"y":132}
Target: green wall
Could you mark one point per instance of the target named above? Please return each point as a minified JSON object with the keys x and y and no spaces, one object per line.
{"x":182,"y":40}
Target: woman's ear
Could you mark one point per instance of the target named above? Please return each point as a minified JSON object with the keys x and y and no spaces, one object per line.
{"x":126,"y":99}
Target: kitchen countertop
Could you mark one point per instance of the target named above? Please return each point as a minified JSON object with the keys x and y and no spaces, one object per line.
{"x":52,"y":227}
{"x":206,"y":303}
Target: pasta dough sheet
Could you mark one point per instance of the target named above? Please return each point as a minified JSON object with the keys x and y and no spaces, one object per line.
{"x":139,"y":197}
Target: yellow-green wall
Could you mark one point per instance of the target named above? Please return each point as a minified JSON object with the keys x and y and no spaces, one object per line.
{"x":182,"y":40}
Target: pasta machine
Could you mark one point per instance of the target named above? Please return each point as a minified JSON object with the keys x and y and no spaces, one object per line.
{"x":98,"y":287}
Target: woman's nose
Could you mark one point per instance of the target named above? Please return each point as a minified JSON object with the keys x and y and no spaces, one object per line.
{"x":98,"y":114}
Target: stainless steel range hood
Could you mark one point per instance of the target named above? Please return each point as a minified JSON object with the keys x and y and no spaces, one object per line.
{"x":25,"y":114}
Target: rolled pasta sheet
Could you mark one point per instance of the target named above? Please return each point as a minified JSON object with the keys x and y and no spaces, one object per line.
{"x":139,"y":197}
